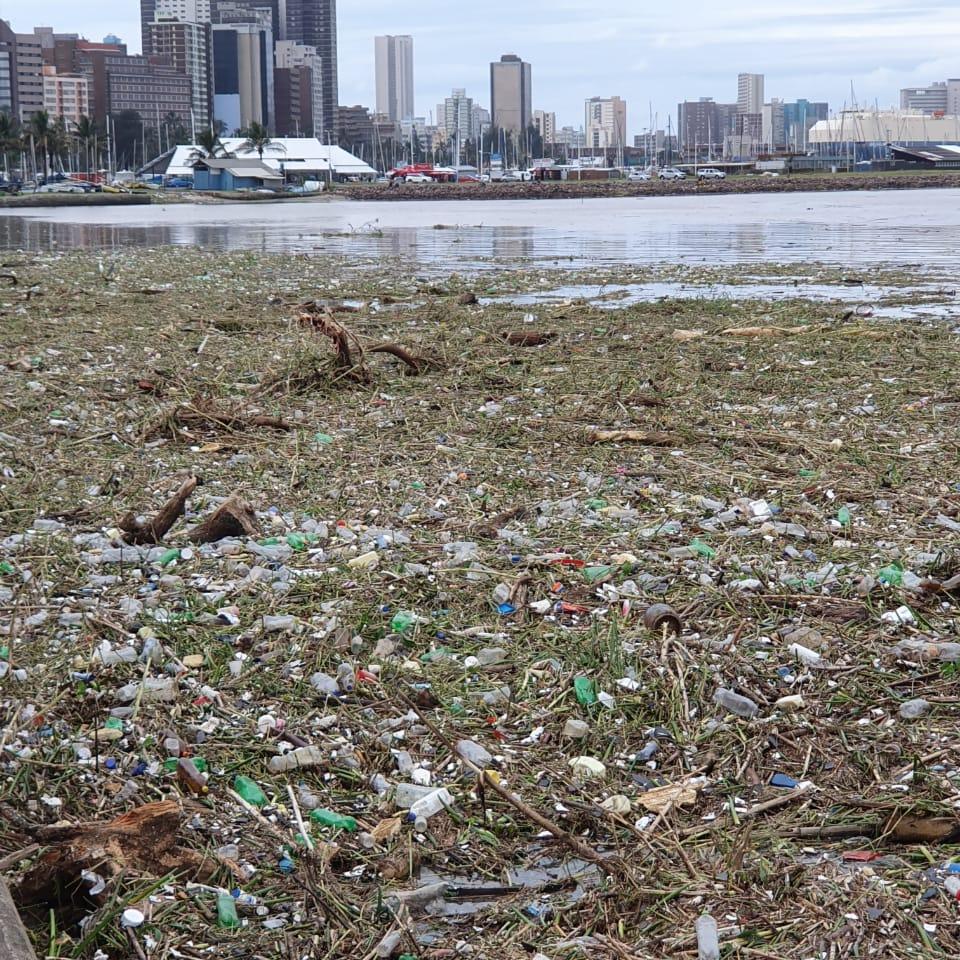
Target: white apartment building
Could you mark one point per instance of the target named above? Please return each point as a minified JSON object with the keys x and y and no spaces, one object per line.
{"x":605,"y":122}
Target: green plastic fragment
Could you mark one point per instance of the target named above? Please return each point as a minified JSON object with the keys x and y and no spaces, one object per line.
{"x":249,"y":790}
{"x":807,"y":474}
{"x":402,"y":621}
{"x":892,"y":574}
{"x":323,"y":438}
{"x":585,"y":691}
{"x":843,"y":515}
{"x":113,"y":723}
{"x":703,"y":549}
{"x":169,"y":556}
{"x":593,"y":574}
{"x":6,"y":567}
{"x":170,"y":764}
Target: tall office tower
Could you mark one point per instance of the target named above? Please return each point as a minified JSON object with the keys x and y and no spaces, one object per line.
{"x":242,"y":75}
{"x":186,"y":45}
{"x":750,"y":93}
{"x":511,"y":93}
{"x":394,"y":65}
{"x":313,"y":23}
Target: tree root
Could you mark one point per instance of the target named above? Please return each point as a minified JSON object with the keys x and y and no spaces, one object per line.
{"x":140,"y":530}
{"x":233,"y":518}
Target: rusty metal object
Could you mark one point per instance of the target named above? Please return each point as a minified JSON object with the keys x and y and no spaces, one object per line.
{"x":662,"y":615}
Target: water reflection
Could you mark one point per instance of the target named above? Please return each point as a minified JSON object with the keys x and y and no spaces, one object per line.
{"x":851,"y":229}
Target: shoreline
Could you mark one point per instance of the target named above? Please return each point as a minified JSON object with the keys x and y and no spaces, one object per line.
{"x":577,"y":190}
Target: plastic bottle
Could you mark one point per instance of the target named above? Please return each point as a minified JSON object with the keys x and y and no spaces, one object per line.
{"x":346,"y":677}
{"x":328,"y":818}
{"x":408,"y":794}
{"x":708,"y":939}
{"x":741,"y":706}
{"x":301,"y":757}
{"x":191,"y":777}
{"x":474,"y":753}
{"x":432,"y":803}
{"x":249,"y":790}
{"x":227,"y":911}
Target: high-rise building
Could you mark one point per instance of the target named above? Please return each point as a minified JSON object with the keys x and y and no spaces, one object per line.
{"x":605,"y":122}
{"x":798,"y":119}
{"x":546,"y":125}
{"x":146,"y":85}
{"x":511,"y":93}
{"x":749,"y":93}
{"x":186,"y":45}
{"x":189,"y":11}
{"x":314,"y":24}
{"x":29,"y":74}
{"x":8,"y":69}
{"x":65,"y":96}
{"x":929,"y":100}
{"x":242,"y":75}
{"x":479,"y":120}
{"x":455,"y":115}
{"x":298,"y":88}
{"x":953,"y":98}
{"x":394,"y":76}
{"x":773,"y":126}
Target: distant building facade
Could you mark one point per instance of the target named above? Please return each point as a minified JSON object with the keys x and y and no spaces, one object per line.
{"x":703,"y":126}
{"x":65,"y":96}
{"x":798,"y":119}
{"x":545,"y":123}
{"x":605,"y":122}
{"x":298,"y":88}
{"x":393,"y":58}
{"x":511,"y":93}
{"x":8,"y":69}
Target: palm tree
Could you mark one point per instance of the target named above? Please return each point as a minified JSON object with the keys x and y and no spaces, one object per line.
{"x":257,"y":138}
{"x":39,"y":131}
{"x":58,"y":142}
{"x":9,"y":138}
{"x":208,"y":145}
{"x":85,"y":132}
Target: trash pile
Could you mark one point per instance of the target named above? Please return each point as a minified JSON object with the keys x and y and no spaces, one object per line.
{"x":588,"y":642}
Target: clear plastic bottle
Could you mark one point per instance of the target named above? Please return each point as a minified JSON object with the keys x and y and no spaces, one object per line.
{"x":431,"y":804}
{"x":741,"y":706}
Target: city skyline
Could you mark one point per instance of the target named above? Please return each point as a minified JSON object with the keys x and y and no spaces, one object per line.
{"x":646,"y":58}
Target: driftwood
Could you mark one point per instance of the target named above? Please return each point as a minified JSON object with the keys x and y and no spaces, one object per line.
{"x":233,"y":518}
{"x":14,"y":942}
{"x":142,"y":840}
{"x":531,"y":338}
{"x":652,"y":438}
{"x":139,"y":530}
{"x":348,"y":362}
{"x":206,"y":415}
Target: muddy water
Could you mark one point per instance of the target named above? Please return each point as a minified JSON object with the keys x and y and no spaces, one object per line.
{"x":899,"y":228}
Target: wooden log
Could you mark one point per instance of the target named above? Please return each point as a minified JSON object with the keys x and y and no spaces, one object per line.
{"x":14,"y":942}
{"x":234,"y":518}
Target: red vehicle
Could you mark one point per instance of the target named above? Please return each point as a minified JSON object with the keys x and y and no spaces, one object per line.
{"x":419,"y":173}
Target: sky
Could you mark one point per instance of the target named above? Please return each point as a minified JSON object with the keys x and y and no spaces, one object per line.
{"x":653,"y":58}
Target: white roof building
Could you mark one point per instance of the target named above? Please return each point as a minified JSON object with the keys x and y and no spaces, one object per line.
{"x":885,"y":126}
{"x":302,"y":156}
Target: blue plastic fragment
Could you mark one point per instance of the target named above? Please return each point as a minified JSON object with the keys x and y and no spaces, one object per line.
{"x":782,"y":780}
{"x":953,"y":868}
{"x":505,"y":609}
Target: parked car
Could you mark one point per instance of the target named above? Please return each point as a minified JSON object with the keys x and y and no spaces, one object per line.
{"x":711,"y":173}
{"x":672,"y":173}
{"x":180,"y":183}
{"x":638,"y":175}
{"x":417,"y":178}
{"x":9,"y":186}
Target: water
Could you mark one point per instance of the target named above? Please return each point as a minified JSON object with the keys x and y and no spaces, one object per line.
{"x":903,"y":228}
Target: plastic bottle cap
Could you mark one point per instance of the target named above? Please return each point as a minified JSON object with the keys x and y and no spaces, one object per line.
{"x":132,"y":917}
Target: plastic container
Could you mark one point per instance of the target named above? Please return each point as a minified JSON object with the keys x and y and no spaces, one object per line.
{"x":585,"y":691}
{"x":294,"y":759}
{"x":433,"y":803}
{"x":708,"y":938}
{"x":661,"y":615}
{"x":191,"y":777}
{"x":734,"y":703}
{"x":227,"y":911}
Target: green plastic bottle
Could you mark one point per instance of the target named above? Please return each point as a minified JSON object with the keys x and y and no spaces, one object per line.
{"x":168,"y":557}
{"x":328,"y":818}
{"x":249,"y":790}
{"x":227,"y":911}
{"x":892,"y":575}
{"x":585,"y":692}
